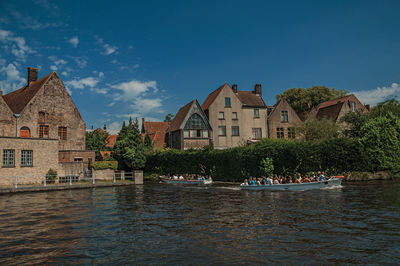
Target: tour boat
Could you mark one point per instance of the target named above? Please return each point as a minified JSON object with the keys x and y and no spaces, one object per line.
{"x":167,"y":180}
{"x":329,"y":183}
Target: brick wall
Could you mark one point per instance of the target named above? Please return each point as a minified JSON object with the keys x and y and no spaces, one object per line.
{"x":44,"y":157}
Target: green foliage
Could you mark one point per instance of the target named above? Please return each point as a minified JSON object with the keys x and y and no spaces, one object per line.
{"x":303,"y":99}
{"x":96,"y":141}
{"x":318,"y":129}
{"x":148,"y":143}
{"x":267,"y":166}
{"x":168,"y":117}
{"x":51,"y":175}
{"x":104,"y":165}
{"x":380,"y":138}
{"x":129,"y":149}
{"x":288,"y":157}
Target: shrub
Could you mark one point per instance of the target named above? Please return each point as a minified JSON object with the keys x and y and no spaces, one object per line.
{"x":51,"y":175}
{"x":104,"y":165}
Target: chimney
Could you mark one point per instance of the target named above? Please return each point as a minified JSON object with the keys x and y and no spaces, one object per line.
{"x":234,"y":88}
{"x":257,"y":89}
{"x":367,"y":106}
{"x":32,"y":74}
{"x":105,"y":127}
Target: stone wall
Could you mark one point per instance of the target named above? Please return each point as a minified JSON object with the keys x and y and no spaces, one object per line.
{"x":65,"y":156}
{"x":106,"y":174}
{"x":195,"y":143}
{"x":7,"y":120}
{"x":44,"y":157}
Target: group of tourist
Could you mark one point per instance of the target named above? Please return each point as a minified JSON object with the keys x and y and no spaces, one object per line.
{"x":187,"y":177}
{"x":275,"y":180}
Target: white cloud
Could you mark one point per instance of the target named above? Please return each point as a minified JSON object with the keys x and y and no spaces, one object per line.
{"x":74,"y":41}
{"x":81,"y":62}
{"x":107,"y":48}
{"x":134,"y":88}
{"x":57,"y":62}
{"x":82,"y":83}
{"x":16,"y":45}
{"x":380,"y":94}
{"x":146,"y":106}
{"x":53,"y":67}
{"x":13,"y":79}
{"x":64,"y":73}
{"x":28,"y":22}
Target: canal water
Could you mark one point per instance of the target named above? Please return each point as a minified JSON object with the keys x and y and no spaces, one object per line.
{"x":163,"y":224}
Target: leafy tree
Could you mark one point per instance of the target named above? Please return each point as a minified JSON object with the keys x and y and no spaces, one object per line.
{"x":318,"y":129}
{"x":168,"y":117}
{"x":303,"y":99}
{"x":380,"y":138}
{"x":148,"y":143}
{"x":96,"y":141}
{"x":128,"y":146}
{"x":267,"y":166}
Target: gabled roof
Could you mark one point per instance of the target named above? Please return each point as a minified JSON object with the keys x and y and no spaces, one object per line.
{"x":180,"y":116}
{"x":335,"y":101}
{"x":248,"y":98}
{"x":17,"y":100}
{"x":156,"y":131}
{"x":111,"y":139}
{"x":212,"y":96}
{"x":330,"y":112}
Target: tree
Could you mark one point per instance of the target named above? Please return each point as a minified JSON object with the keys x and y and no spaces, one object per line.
{"x":304,"y":99}
{"x":267,"y":166}
{"x":318,"y":129}
{"x":168,"y":117}
{"x":129,"y":148}
{"x":148,"y":143}
{"x":96,"y":141}
{"x":380,"y":138}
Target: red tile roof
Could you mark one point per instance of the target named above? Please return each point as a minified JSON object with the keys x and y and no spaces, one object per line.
{"x":330,"y":112}
{"x":248,"y":98}
{"x":335,"y":101}
{"x":180,"y":116}
{"x":211,"y":97}
{"x":17,"y":100}
{"x":156,"y":131}
{"x":105,"y":154}
{"x":111,"y":139}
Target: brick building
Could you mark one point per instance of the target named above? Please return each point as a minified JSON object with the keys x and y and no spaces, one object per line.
{"x":237,"y":117}
{"x":43,"y":110}
{"x":157,"y":132}
{"x":189,"y":128}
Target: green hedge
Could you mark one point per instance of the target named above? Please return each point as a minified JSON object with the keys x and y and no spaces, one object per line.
{"x":334,"y":156}
{"x":101,"y":165}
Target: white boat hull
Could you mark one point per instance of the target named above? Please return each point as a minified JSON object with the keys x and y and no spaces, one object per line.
{"x":185,"y":182}
{"x":295,"y":187}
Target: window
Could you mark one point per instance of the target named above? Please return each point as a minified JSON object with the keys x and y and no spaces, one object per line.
{"x":256,"y":133}
{"x":353,"y":106}
{"x":41,"y":117}
{"x":78,"y":159}
{"x":222,"y":131}
{"x":234,"y":116}
{"x":195,"y":133}
{"x":8,"y":158}
{"x":256,"y":113}
{"x":291,"y":133}
{"x":235,"y":130}
{"x":227,"y":102}
{"x":62,"y":133}
{"x":195,"y":122}
{"x":26,"y":158}
{"x":221,"y":115}
{"x":280,"y":133}
{"x":186,"y":134}
{"x":284,"y":116}
{"x":43,"y":131}
{"x":205,"y":133}
{"x":24,"y":132}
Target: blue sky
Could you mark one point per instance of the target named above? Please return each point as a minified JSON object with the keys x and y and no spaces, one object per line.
{"x":149,"y":58}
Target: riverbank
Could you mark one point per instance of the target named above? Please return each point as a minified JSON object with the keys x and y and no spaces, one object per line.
{"x":56,"y":187}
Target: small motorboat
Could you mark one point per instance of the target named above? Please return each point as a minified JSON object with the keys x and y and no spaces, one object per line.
{"x":329,"y":183}
{"x":198,"y":181}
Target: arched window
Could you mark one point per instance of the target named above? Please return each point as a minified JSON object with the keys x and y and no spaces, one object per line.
{"x":25,"y":132}
{"x":195,"y":122}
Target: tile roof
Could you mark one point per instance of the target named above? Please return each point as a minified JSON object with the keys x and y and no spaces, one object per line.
{"x":248,"y":98}
{"x":330,"y":112}
{"x":335,"y":101}
{"x":211,"y":97}
{"x":17,"y":100}
{"x":180,"y":116}
{"x":105,"y":154}
{"x":156,"y":131}
{"x":111,"y":139}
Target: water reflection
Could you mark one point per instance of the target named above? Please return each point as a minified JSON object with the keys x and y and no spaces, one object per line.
{"x":163,"y":224}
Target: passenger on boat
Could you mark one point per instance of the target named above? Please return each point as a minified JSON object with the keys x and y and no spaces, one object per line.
{"x":321,"y":176}
{"x":290,"y":179}
{"x":269,"y":181}
{"x":298,"y":180}
{"x":276,"y":181}
{"x":306,"y":179}
{"x":253,"y":181}
{"x":175,"y":177}
{"x":245,"y":182}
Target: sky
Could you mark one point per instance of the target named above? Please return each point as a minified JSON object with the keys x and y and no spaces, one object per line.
{"x":149,"y":58}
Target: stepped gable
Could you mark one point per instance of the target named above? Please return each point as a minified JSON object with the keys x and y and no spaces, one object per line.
{"x":248,"y":98}
{"x":180,"y":116}
{"x":17,"y":100}
{"x":212,"y":96}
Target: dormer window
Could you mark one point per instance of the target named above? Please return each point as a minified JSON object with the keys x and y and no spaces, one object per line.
{"x":284,"y":116}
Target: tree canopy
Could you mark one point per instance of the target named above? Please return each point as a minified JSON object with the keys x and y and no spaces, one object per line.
{"x":168,"y":117}
{"x":96,"y":141}
{"x":304,"y":99}
{"x":318,"y":129}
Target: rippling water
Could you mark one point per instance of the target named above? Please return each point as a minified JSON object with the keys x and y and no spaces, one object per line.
{"x":164,"y":224}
